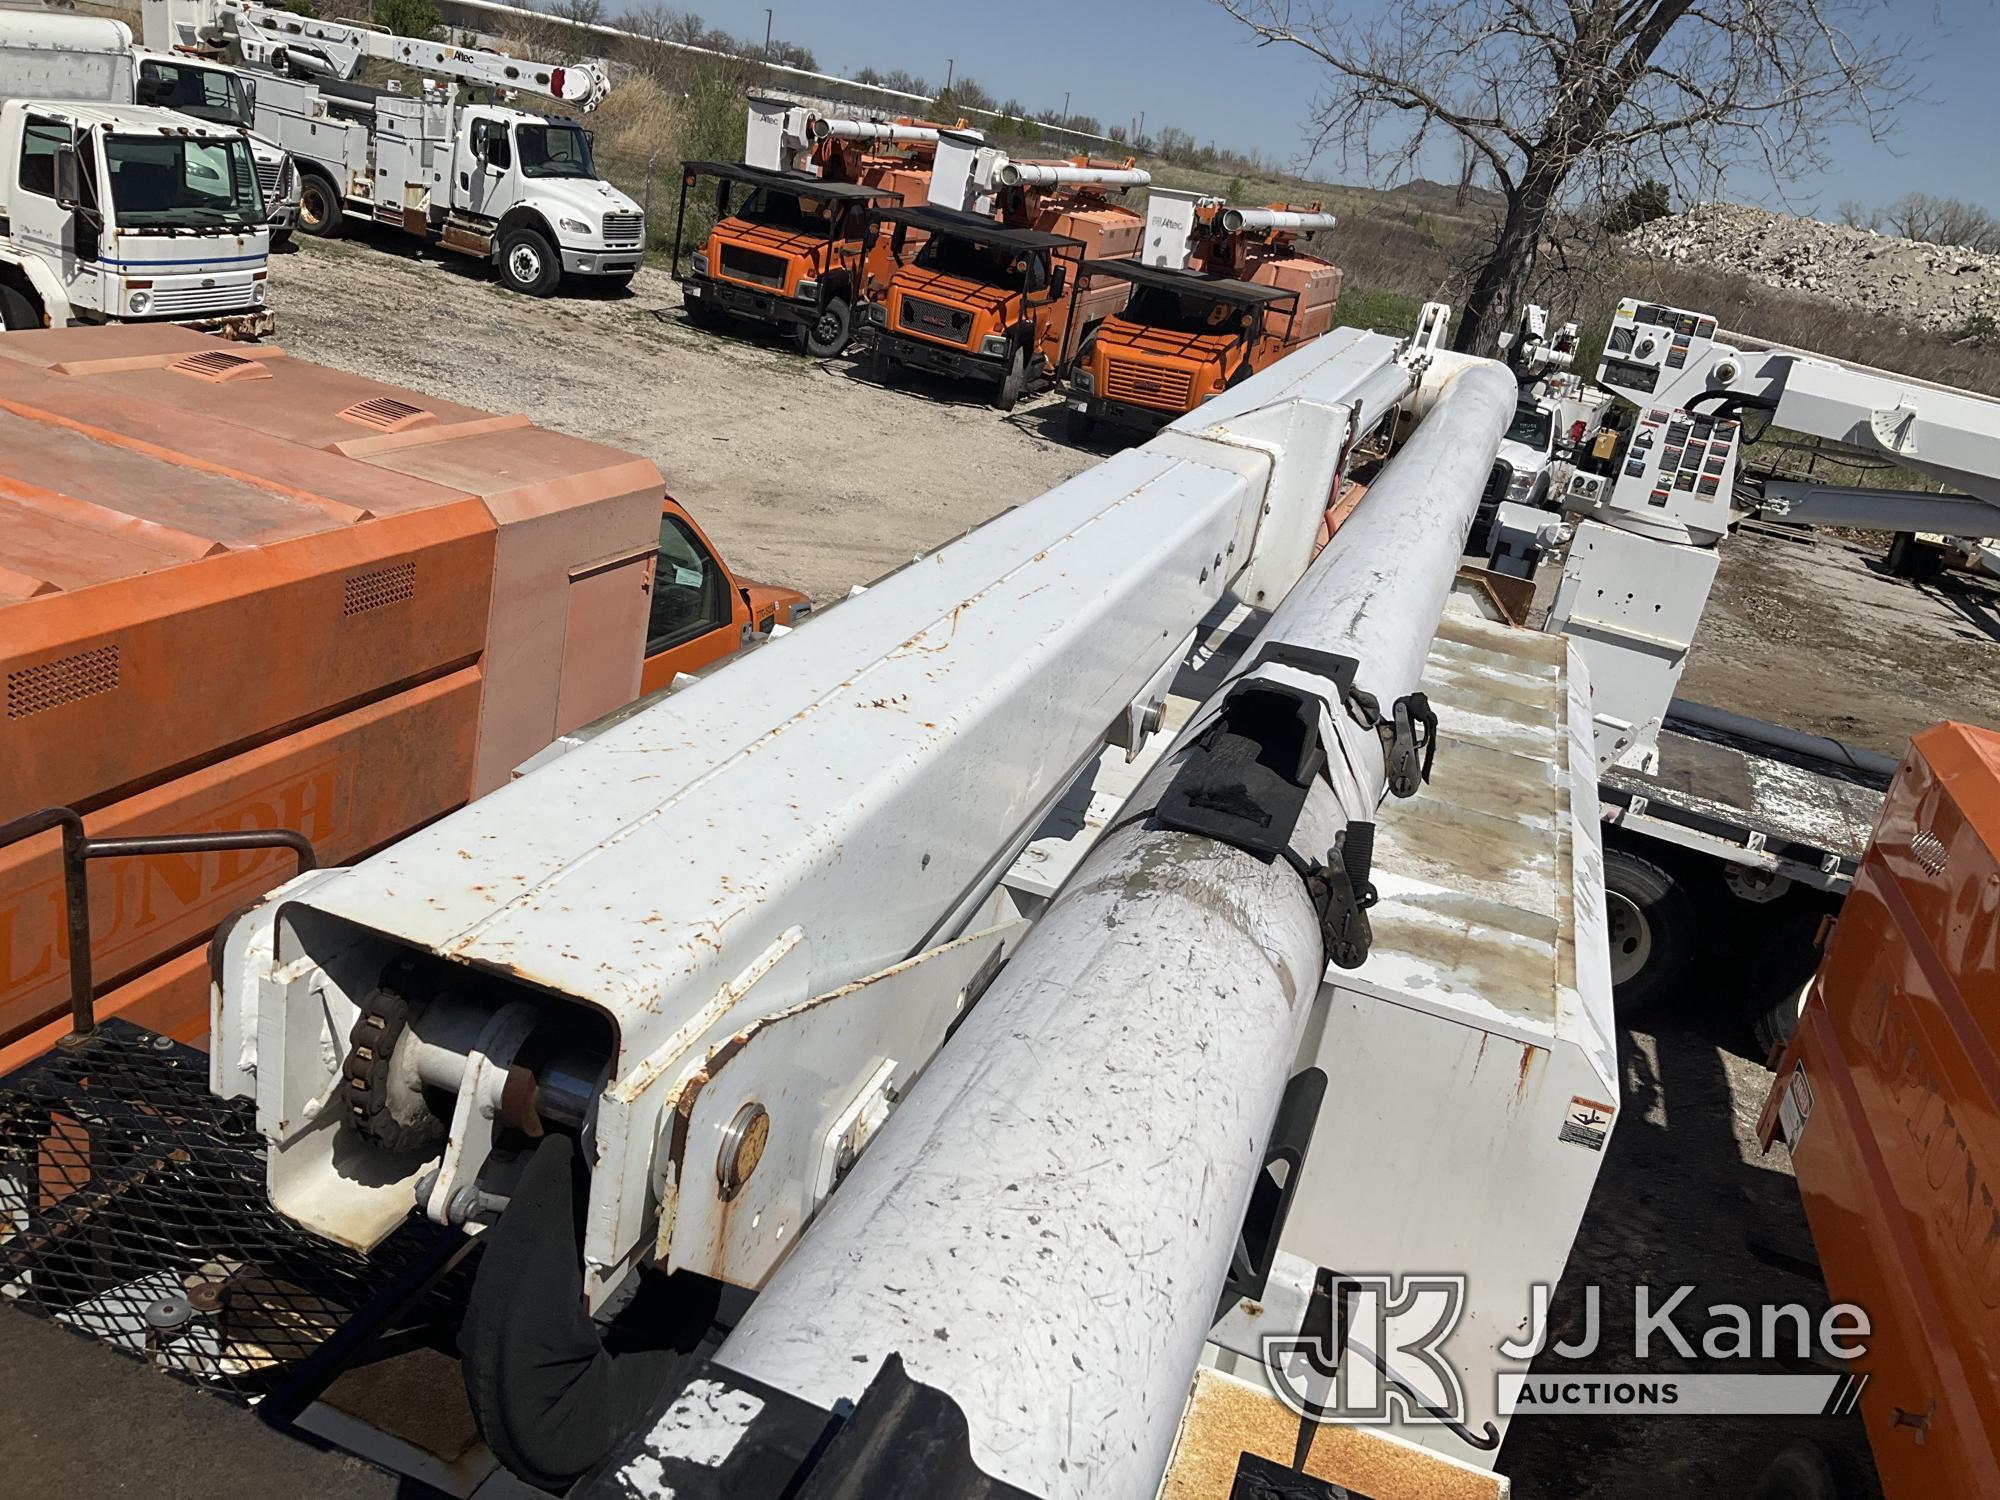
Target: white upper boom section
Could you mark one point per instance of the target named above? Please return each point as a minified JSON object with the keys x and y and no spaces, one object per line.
{"x":283,"y":42}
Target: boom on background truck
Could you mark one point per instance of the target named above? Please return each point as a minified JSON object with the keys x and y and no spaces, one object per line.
{"x":327,"y":605}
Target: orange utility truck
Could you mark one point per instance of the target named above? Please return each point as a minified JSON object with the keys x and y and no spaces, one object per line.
{"x":1888,"y":1094}
{"x":987,"y":285}
{"x":1217,"y":294}
{"x":789,"y":239}
{"x":242,"y":592}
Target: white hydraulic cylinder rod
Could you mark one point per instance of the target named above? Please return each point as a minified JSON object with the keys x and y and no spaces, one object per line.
{"x":1043,"y":1228}
{"x":1052,"y":174}
{"x":1234,"y":219}
{"x":872,"y":130}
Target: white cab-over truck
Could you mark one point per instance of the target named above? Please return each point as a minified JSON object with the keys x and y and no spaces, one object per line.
{"x":484,"y":179}
{"x":93,"y":60}
{"x":118,"y":213}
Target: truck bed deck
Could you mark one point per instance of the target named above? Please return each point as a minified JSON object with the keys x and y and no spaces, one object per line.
{"x":1772,"y":805}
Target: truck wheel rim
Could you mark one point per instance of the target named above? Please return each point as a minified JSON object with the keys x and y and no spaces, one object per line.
{"x":1631,"y":937}
{"x":524,"y":264}
{"x":312,"y":207}
{"x":827,"y":329}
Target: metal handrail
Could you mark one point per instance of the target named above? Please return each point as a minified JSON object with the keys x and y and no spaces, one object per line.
{"x":79,"y":848}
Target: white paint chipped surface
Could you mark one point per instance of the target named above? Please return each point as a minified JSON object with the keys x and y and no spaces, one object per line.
{"x":703,"y":1426}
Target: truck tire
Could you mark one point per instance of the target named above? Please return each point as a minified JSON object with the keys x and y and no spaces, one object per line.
{"x":831,"y":332}
{"x":1809,"y":1471}
{"x":881,"y":368}
{"x":702,"y":315}
{"x":528,"y":262}
{"x":1007,"y":394}
{"x":1652,"y":923}
{"x":320,"y":213}
{"x":17,"y":313}
{"x":1079,"y":425}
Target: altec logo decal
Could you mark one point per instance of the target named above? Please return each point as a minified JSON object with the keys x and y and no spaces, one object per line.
{"x":147,"y":895}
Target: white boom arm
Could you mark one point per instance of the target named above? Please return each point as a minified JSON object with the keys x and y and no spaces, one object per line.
{"x":282,"y":42}
{"x":1638,"y":572}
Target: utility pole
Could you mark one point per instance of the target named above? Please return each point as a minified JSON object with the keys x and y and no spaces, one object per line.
{"x":949,"y":65}
{"x":1065,"y":118}
{"x":767,"y":34}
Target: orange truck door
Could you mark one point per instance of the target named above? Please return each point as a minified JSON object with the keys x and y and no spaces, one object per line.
{"x":696,"y":615}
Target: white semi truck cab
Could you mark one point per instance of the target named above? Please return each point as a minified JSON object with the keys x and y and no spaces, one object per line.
{"x":119,"y":213}
{"x":94,"y":60}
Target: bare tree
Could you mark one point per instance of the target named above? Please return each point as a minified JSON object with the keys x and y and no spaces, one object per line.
{"x":1559,"y":98}
{"x":1941,"y":221}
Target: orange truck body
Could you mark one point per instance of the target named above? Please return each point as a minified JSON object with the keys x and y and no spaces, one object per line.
{"x":942,"y":315}
{"x":240,"y":591}
{"x":1244,"y":301}
{"x":1888,"y":1095}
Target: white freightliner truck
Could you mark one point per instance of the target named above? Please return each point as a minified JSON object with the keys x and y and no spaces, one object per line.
{"x":121,"y":213}
{"x":505,"y":185}
{"x":47,"y":55}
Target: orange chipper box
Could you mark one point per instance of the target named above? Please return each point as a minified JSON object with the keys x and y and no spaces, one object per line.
{"x":241,"y":591}
{"x":1889,"y":1097}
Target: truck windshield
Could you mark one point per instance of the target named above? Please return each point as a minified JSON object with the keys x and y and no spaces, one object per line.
{"x":554,"y":151}
{"x":778,"y":210}
{"x":1183,"y":312}
{"x":183,"y":182}
{"x":206,"y":93}
{"x":971,"y":261}
{"x":1533,"y":427}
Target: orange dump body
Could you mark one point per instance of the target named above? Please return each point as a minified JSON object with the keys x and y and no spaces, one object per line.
{"x":240,"y":591}
{"x":1889,"y":1096}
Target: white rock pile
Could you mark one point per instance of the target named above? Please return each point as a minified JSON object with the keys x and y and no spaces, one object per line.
{"x":1937,"y":287}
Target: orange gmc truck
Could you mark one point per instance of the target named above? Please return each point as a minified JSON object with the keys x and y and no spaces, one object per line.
{"x":788,"y":252}
{"x":241,"y":592}
{"x":787,"y":249}
{"x":1218,"y":294}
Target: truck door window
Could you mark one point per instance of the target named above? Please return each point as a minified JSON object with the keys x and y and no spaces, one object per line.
{"x":690,"y":591}
{"x":492,"y":135}
{"x":39,"y":140}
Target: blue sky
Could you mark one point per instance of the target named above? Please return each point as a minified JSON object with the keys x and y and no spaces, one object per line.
{"x":1185,"y":63}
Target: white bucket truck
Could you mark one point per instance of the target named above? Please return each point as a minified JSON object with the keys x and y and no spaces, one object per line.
{"x":484,"y":179}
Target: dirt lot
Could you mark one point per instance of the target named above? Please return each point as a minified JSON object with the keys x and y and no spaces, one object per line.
{"x":804,"y":473}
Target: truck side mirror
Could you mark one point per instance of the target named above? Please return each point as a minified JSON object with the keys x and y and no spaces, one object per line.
{"x":69,"y":178}
{"x":1058,"y":280}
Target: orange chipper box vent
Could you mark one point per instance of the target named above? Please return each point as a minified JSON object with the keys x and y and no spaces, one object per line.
{"x":387,"y":414}
{"x":361,"y":592}
{"x":217,"y":365}
{"x":67,"y":679}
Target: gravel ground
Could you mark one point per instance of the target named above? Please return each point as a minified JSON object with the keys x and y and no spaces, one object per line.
{"x":804,"y":473}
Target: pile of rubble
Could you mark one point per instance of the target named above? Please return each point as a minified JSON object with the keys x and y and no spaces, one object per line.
{"x":1936,"y":287}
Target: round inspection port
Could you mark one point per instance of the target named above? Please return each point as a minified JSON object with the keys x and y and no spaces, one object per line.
{"x":742,"y":1148}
